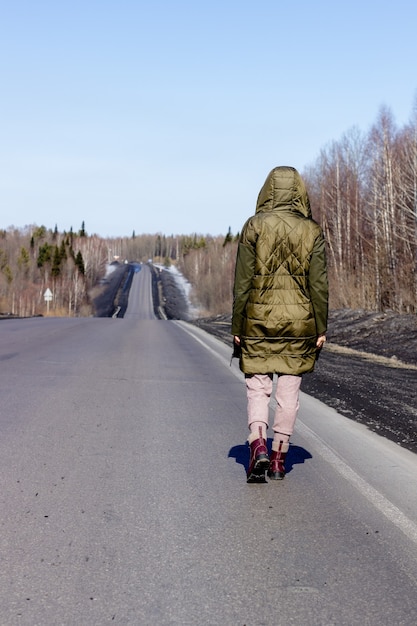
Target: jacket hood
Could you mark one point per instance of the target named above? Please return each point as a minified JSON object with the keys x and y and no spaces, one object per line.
{"x":284,"y":189}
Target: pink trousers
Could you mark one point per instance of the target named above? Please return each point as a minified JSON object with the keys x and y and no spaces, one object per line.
{"x":259,"y":390}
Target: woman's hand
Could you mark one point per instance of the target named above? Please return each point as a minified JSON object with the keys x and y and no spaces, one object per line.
{"x":236,"y":339}
{"x":321,"y":340}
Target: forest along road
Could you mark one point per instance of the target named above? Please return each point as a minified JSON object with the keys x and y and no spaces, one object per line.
{"x":124,"y":498}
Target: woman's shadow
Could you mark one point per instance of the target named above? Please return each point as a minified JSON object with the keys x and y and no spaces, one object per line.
{"x":295,"y":455}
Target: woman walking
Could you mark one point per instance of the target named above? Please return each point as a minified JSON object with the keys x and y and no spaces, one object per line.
{"x":279,"y":312}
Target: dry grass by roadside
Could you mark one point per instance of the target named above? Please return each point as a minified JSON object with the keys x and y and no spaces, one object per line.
{"x":375,"y":358}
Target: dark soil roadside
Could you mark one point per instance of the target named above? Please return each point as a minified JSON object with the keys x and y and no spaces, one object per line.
{"x":367,"y":371}
{"x":114,"y":291}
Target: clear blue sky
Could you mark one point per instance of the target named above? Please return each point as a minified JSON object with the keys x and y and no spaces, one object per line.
{"x":166,"y":116}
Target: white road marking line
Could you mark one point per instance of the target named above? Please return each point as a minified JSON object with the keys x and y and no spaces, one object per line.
{"x":382,"y":504}
{"x":391,"y":512}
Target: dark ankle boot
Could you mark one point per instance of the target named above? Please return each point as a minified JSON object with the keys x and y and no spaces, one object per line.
{"x":277,"y":466}
{"x":259,"y":460}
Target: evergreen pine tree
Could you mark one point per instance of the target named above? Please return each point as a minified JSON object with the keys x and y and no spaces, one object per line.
{"x":56,"y":263}
{"x":228,"y":238}
{"x":79,"y":262}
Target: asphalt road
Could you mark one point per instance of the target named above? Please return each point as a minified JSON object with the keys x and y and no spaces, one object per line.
{"x":124,"y":500}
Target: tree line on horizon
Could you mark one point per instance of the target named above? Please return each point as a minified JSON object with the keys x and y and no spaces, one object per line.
{"x":34,"y":259}
{"x":363,"y":192}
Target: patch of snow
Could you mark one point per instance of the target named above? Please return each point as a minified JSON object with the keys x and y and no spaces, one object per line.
{"x":183,"y":284}
{"x":109,"y":270}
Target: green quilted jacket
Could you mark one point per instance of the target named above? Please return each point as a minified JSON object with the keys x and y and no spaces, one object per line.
{"x":280,"y":291}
